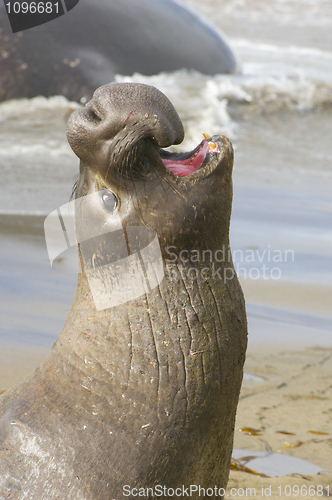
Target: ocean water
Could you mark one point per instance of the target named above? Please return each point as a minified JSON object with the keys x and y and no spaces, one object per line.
{"x":277,"y":110}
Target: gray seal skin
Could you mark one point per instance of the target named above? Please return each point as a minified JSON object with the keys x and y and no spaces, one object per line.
{"x":144,"y":393}
{"x":86,"y":47}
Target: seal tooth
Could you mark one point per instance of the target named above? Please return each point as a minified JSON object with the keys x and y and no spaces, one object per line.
{"x":212,"y":145}
{"x":207,"y":137}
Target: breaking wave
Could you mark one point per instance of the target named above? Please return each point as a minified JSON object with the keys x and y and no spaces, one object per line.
{"x":205,"y":103}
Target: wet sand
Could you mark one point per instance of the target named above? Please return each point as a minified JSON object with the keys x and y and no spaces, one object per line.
{"x":17,"y":361}
{"x":287,"y":405}
{"x":242,"y":485}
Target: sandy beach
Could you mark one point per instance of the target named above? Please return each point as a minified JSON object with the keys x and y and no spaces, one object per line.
{"x":306,"y":487}
{"x":289,"y":411}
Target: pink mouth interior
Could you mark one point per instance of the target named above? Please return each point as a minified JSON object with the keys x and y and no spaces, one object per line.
{"x":182,"y":168}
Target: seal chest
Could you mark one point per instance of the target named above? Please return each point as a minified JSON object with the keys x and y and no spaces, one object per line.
{"x":141,"y":388}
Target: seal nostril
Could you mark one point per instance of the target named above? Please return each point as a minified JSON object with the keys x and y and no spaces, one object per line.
{"x":94,"y":115}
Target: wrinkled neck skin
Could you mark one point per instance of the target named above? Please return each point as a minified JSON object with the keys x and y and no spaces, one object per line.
{"x":193,"y":233}
{"x":163,"y":370}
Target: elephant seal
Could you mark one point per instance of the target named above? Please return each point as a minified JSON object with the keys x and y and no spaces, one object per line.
{"x":85,"y":48}
{"x":142,"y":394}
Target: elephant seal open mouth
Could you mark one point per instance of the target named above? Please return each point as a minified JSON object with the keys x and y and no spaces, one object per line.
{"x":141,"y":394}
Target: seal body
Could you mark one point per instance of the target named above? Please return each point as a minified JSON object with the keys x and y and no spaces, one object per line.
{"x":142,"y":394}
{"x":85,"y":48}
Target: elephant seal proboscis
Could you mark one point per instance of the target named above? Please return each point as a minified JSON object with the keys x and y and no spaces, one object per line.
{"x":85,"y":48}
{"x":141,"y":394}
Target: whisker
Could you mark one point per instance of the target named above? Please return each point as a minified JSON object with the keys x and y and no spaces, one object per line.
{"x":74,"y":188}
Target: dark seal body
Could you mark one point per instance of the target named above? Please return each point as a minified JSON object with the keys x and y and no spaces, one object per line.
{"x":143,"y":394}
{"x":85,"y":48}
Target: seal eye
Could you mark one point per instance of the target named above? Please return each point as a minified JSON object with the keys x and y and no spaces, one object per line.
{"x":109,"y":200}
